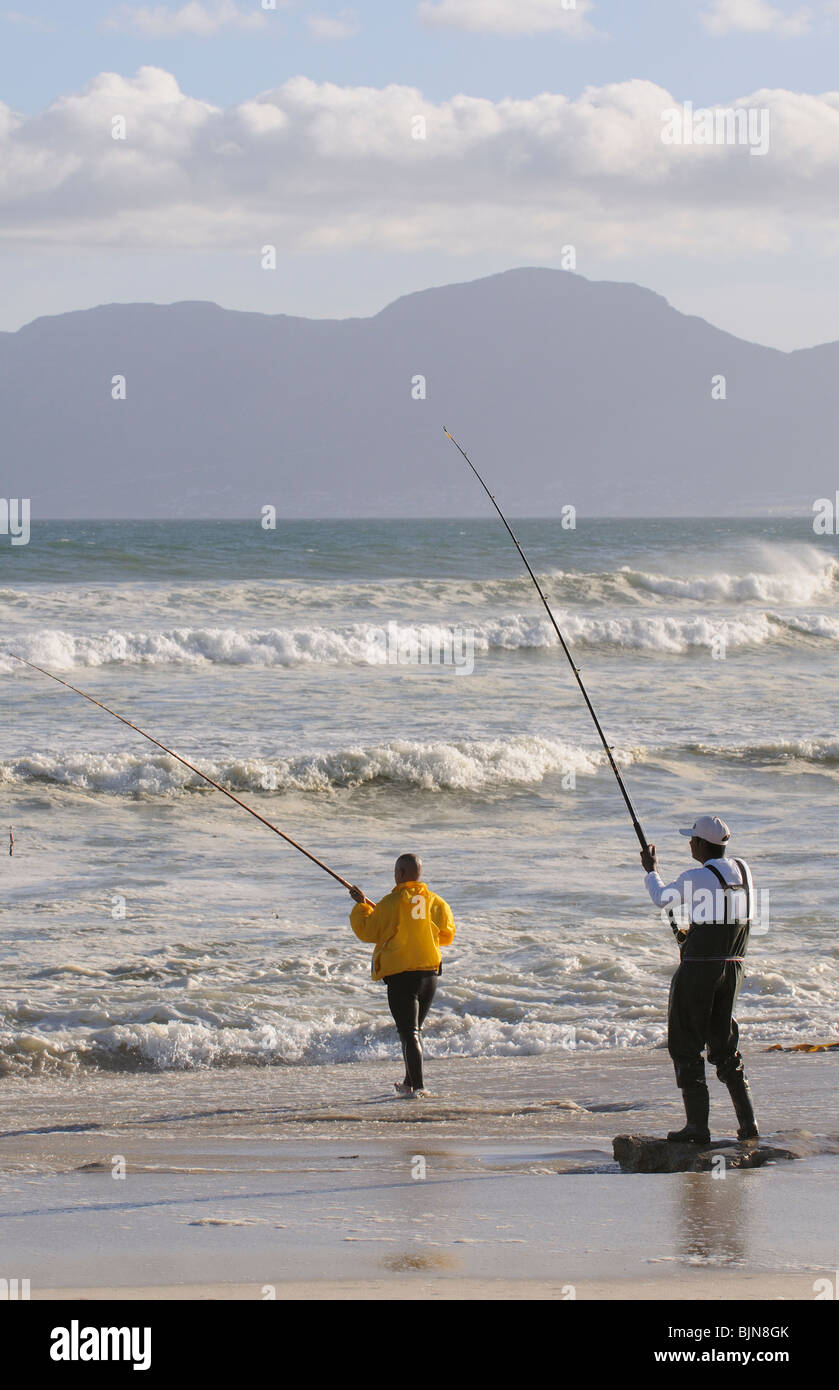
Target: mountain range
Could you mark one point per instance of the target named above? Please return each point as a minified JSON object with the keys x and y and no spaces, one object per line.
{"x":562,"y":390}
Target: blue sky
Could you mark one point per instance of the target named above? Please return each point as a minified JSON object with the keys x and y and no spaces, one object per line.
{"x":780,"y":288}
{"x":663,"y":40}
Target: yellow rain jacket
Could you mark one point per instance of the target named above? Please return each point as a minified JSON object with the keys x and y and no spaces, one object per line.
{"x":408,"y":927}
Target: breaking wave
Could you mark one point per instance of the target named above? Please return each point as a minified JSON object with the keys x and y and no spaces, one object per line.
{"x":778,"y":575}
{"x":197,"y":1046}
{"x":818,"y":751}
{"x":463,"y":766}
{"x":327,"y":1037}
{"x":796,"y":576}
{"x":458,"y":766}
{"x":375,"y":645}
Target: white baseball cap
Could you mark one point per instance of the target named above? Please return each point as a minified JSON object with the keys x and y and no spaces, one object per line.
{"x":709,"y":828}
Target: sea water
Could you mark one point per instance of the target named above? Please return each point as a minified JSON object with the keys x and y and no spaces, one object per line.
{"x":148,"y":923}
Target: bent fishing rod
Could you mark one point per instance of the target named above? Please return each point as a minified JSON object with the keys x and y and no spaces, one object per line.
{"x":191,"y":766}
{"x":636,"y":824}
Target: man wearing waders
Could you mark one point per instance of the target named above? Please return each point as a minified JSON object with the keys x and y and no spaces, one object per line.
{"x":408,"y":928}
{"x":719,"y":895}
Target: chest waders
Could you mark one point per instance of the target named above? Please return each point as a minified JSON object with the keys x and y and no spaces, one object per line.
{"x":700,"y":1014}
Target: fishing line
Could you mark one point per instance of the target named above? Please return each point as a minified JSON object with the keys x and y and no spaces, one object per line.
{"x":191,"y":766}
{"x":636,"y":824}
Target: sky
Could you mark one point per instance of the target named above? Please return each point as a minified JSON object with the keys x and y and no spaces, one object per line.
{"x":379,"y":148}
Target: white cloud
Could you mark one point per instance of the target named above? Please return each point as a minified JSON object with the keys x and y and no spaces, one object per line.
{"x":755,"y":17}
{"x":343,"y":25}
{"x":315,"y":166}
{"x":195,"y":18}
{"x":508,"y":16}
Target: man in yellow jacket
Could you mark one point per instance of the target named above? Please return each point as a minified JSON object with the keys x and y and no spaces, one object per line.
{"x":408,"y":928}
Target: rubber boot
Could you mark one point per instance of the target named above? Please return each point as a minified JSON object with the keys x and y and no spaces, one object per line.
{"x":697,"y":1107}
{"x":739,"y":1090}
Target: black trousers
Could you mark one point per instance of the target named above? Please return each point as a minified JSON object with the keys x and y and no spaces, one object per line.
{"x":409,"y":995}
{"x":701,"y":1014}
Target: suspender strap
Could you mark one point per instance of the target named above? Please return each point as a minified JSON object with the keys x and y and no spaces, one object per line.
{"x":745,"y":877}
{"x":725,"y":887}
{"x":733,"y":888}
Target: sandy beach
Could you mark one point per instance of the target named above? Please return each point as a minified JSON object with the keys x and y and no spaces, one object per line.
{"x":243,"y":1184}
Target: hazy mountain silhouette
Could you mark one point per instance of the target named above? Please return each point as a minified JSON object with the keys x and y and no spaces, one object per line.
{"x":563,"y":390}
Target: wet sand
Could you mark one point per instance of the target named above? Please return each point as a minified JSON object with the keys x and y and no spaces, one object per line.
{"x":314,"y":1182}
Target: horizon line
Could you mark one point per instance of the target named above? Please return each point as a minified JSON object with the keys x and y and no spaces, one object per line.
{"x":586,"y":516}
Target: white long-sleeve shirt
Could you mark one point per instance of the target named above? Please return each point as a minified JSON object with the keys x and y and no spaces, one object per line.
{"x":702,"y":893}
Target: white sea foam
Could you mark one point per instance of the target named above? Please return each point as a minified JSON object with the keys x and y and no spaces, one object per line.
{"x":806,"y":750}
{"x":772,"y":575}
{"x":458,"y":766}
{"x":368,"y":644}
{"x":471,"y":766}
{"x":793,"y":575}
{"x":178,"y":1046}
{"x":671,"y":636}
{"x":769,"y":1006}
{"x":814,"y":625}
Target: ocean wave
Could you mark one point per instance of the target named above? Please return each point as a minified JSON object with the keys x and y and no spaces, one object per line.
{"x":64,"y":651}
{"x":795,"y":576}
{"x":770,"y":1004}
{"x":645,"y":633}
{"x":282,"y":597}
{"x":671,"y":636}
{"x":818,"y":751}
{"x":471,"y":766}
{"x":776,"y":575}
{"x":406,"y":645}
{"x":812,"y":625}
{"x":199,"y":1046}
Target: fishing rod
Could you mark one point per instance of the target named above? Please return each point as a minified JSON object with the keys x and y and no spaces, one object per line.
{"x":636,"y":824}
{"x":191,"y":766}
